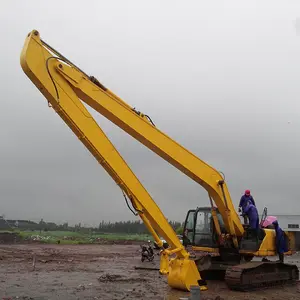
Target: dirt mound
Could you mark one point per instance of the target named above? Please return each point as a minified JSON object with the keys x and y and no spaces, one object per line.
{"x":9,"y":238}
{"x":108,"y":277}
{"x":117,"y":278}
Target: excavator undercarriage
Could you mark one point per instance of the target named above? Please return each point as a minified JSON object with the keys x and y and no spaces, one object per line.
{"x":246,"y":276}
{"x":257,"y":275}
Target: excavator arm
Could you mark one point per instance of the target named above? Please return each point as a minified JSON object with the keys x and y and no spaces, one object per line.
{"x":57,"y":77}
{"x":46,"y":69}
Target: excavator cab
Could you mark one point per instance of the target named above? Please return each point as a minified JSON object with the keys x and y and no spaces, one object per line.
{"x":199,"y":228}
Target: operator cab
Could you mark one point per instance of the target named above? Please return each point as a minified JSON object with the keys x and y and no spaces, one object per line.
{"x":199,"y":229}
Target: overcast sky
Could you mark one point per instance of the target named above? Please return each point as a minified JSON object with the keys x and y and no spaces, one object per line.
{"x":220,"y":78}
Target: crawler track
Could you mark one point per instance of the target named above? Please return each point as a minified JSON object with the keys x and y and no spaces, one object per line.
{"x":258,"y":275}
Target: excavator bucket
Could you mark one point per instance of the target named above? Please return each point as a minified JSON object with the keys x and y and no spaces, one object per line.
{"x":183,"y":274}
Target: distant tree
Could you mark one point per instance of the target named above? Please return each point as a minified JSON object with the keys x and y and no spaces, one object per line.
{"x":41,"y":225}
{"x":127,"y":227}
{"x":179,"y":230}
{"x":65,"y":226}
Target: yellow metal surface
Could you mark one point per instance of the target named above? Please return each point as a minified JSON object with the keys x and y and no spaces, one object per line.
{"x":44,"y":71}
{"x":164,"y":263}
{"x":216,"y":221}
{"x":183,"y":274}
{"x":292,"y":240}
{"x":268,"y":246}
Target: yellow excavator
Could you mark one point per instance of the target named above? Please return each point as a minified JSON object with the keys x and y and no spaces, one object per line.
{"x":216,"y":232}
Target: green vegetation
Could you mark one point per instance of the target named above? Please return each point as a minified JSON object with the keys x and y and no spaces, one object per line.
{"x":51,"y":233}
{"x":69,"y":237}
{"x":179,"y":230}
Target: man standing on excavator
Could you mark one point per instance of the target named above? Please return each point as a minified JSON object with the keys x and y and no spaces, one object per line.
{"x":247,"y":197}
{"x":251,"y":212}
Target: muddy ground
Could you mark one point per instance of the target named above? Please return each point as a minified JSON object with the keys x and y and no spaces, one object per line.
{"x":99,"y":272}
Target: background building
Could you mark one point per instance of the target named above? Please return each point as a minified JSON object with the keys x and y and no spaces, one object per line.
{"x":290,"y":223}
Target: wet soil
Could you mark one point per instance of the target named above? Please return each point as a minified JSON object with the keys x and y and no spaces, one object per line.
{"x":34,"y":271}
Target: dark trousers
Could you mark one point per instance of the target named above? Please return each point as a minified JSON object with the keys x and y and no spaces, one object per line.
{"x":281,"y":257}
